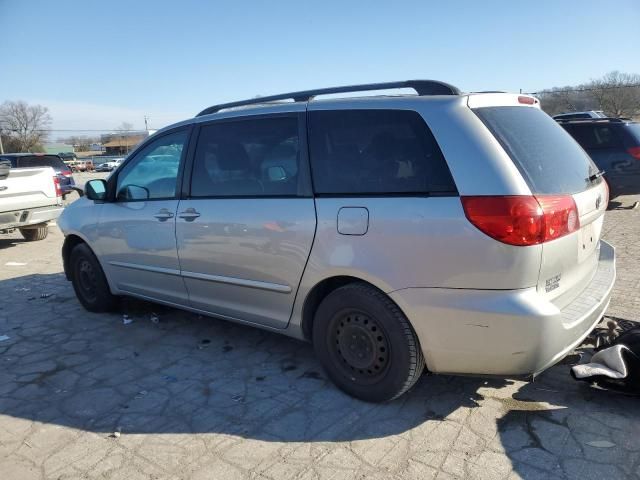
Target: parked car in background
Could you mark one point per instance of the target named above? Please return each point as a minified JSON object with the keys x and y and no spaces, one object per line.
{"x":110,"y":165}
{"x":454,"y":232}
{"x":104,"y":167}
{"x":30,"y":197}
{"x":577,"y":115}
{"x":5,"y":168}
{"x":81,"y":165}
{"x":67,"y":156}
{"x":614,"y":146}
{"x":31,"y":160}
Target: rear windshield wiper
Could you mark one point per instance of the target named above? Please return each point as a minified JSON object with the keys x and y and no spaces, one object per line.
{"x":595,"y":176}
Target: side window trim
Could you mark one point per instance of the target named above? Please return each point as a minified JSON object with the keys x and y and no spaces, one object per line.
{"x":113,"y":180}
{"x":304,"y":188}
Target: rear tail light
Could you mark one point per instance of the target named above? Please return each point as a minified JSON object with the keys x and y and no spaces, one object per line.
{"x":634,"y":152}
{"x":66,"y":173}
{"x":56,"y":182}
{"x":523,"y":220}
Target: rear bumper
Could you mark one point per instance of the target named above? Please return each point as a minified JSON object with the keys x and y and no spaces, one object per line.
{"x":504,"y":332}
{"x":26,"y":218}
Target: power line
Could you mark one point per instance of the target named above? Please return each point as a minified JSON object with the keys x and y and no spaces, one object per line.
{"x":584,"y":89}
{"x":109,"y":130}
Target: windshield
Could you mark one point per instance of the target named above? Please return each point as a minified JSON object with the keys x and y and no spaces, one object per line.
{"x":547,"y":157}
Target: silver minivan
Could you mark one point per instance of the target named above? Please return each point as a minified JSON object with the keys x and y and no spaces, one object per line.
{"x":454,"y":232}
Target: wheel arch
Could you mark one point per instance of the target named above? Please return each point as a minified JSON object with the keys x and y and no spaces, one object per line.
{"x":320,"y":291}
{"x":70,"y":242}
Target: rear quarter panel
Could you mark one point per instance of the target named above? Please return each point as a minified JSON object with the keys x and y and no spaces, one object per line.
{"x":413,"y":242}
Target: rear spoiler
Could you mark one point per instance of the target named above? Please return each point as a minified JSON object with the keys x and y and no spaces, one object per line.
{"x":499,"y":99}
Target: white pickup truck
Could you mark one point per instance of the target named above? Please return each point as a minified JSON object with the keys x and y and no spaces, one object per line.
{"x":29,"y":199}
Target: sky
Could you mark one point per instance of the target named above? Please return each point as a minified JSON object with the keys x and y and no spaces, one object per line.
{"x":95,"y":64}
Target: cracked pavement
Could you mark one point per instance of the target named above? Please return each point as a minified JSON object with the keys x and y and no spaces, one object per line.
{"x":84,"y":396}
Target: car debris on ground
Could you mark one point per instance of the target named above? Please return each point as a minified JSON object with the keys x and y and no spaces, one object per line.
{"x":616,"y":364}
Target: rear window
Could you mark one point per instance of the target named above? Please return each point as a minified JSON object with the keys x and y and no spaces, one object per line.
{"x":42,"y":161}
{"x":634,"y":130}
{"x":595,"y":135}
{"x":547,"y":157}
{"x":360,"y":152}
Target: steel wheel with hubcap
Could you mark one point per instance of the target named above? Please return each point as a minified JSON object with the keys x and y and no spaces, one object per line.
{"x":359,"y":345}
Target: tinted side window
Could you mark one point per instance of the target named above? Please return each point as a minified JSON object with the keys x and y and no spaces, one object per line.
{"x":595,"y":135}
{"x":41,"y":161}
{"x":253,"y":157}
{"x":375,"y":152}
{"x":153,"y":172}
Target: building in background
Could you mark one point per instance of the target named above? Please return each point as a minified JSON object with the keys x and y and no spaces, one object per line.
{"x":123,"y":142}
{"x":96,"y":147}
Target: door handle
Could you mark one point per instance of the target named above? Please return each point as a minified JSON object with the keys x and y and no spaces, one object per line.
{"x":163,"y":215}
{"x":189,"y":214}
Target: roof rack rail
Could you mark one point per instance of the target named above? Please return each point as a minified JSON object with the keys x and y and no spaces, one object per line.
{"x":593,"y":120}
{"x":422,"y":87}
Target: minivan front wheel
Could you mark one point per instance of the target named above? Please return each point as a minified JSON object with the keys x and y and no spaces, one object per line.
{"x":88,"y":280}
{"x":366,"y":344}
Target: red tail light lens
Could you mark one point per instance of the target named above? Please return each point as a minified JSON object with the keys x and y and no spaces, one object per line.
{"x":523,"y":220}
{"x":56,"y":182}
{"x":560,"y":215}
{"x":66,"y":173}
{"x":634,"y":152}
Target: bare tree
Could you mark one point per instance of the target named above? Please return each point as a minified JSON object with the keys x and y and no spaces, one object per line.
{"x":557,"y":100}
{"x":125,"y":128}
{"x":81,"y":143}
{"x":24,"y":127}
{"x":618,"y":94}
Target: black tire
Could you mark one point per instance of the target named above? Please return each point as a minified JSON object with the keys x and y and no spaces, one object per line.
{"x":34,"y":234}
{"x":366,"y":344}
{"x":89,"y":282}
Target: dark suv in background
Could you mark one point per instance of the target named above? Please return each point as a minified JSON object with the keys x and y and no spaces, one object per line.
{"x":614,"y":146}
{"x":33,"y":160}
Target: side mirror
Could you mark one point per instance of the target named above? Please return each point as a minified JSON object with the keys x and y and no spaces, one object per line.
{"x":5,"y":168}
{"x":276,"y":173}
{"x":96,"y":190}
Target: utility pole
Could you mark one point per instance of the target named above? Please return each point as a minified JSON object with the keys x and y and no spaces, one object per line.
{"x":146,"y":126}
{"x":1,"y":147}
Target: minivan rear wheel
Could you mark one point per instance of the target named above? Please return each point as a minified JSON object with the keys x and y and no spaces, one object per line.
{"x":89,"y":282}
{"x":366,"y":344}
